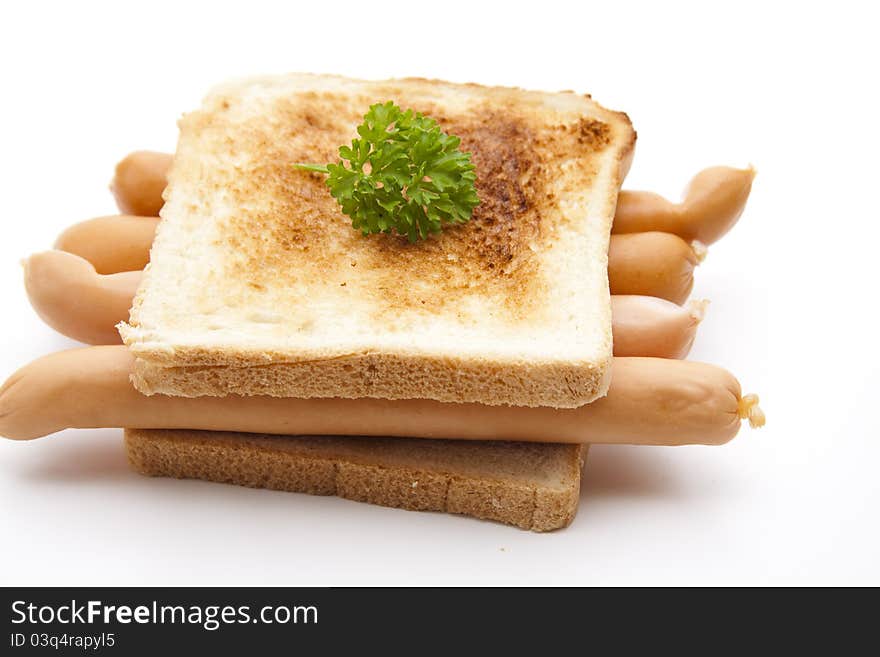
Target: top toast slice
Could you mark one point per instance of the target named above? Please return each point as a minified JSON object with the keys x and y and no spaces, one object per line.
{"x":258,"y":284}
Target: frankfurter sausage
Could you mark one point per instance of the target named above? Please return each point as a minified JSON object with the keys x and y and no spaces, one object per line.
{"x":654,"y":264}
{"x":649,"y":326}
{"x":713,"y":201}
{"x":651,"y":401}
{"x":112,"y":244}
{"x":139,"y":181}
{"x":75,"y":300}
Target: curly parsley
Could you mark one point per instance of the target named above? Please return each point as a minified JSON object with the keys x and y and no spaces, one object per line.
{"x":404,"y":174}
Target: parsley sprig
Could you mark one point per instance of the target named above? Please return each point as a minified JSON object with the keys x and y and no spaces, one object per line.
{"x":404,"y":174}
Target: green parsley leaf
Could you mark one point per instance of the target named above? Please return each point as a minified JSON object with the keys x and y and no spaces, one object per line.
{"x":404,"y":174}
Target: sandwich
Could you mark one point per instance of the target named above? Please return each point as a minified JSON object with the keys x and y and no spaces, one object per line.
{"x":482,"y":313}
{"x":462,"y":368}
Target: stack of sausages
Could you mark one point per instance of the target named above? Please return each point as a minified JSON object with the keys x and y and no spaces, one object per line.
{"x":85,"y":286}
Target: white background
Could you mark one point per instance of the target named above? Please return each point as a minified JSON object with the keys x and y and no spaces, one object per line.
{"x":790,"y":88}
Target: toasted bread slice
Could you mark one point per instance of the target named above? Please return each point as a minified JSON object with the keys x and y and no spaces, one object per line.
{"x":258,"y":284}
{"x":532,"y":486}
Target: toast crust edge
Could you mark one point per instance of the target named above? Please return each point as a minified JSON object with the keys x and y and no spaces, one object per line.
{"x":380,"y":377}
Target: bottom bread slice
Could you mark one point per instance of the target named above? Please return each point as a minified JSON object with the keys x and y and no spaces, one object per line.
{"x":530,"y":485}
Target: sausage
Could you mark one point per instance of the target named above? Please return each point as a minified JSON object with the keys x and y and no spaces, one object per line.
{"x":139,"y":181}
{"x":71,"y":297}
{"x":66,"y":291}
{"x":648,"y":326}
{"x":112,"y":244}
{"x":648,"y":263}
{"x":653,"y":264}
{"x":713,"y":201}
{"x":651,"y":401}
